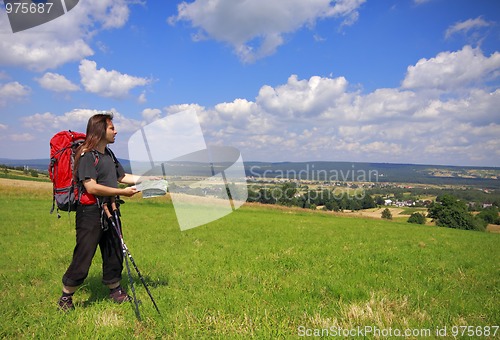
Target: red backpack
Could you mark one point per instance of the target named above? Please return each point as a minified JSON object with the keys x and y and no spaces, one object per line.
{"x":63,"y":146}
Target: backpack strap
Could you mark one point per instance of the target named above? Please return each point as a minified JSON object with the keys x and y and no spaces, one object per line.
{"x":113,"y":157}
{"x":95,"y":154}
{"x":80,"y":185}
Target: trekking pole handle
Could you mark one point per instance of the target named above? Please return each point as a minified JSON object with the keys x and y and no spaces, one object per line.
{"x":106,"y":211}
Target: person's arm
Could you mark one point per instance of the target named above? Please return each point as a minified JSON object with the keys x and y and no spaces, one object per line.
{"x":134,"y":179}
{"x":129,"y":179}
{"x":92,"y":187}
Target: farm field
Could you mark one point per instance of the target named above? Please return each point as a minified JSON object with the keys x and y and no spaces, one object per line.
{"x":267,"y":272}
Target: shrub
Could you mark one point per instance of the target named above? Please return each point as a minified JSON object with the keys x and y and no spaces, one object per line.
{"x":417,"y":218}
{"x":490,"y":215}
{"x":387,"y":214}
{"x":450,"y":212}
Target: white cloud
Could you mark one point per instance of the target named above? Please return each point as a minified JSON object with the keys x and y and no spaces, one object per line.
{"x":466,"y":26}
{"x":423,"y":121}
{"x":13,"y":91}
{"x":65,"y":39}
{"x":75,"y":120}
{"x":173,"y":109}
{"x":107,"y":83}
{"x":150,"y":115}
{"x":246,"y":117}
{"x":322,"y":118}
{"x":56,"y":82}
{"x":109,"y":13}
{"x":450,"y":70}
{"x":41,"y":52}
{"x":3,"y":127}
{"x":385,"y":104}
{"x":478,"y":106}
{"x":255,"y":29}
{"x":142,"y":98}
{"x":123,"y":124}
{"x":301,"y":98}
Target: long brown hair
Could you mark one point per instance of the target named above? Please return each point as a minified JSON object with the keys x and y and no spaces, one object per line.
{"x":96,"y":131}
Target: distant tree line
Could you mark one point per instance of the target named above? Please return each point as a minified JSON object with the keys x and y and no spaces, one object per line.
{"x":478,"y":197}
{"x":6,"y":170}
{"x":288,"y":194}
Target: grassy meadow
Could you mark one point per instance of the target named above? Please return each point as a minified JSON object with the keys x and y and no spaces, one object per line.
{"x":266,"y":272}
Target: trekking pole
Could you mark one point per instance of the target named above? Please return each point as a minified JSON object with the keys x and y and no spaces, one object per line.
{"x":119,"y":227}
{"x":124,"y":250}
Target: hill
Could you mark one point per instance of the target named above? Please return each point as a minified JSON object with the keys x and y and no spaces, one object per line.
{"x":487,"y":177}
{"x":42,"y":164}
{"x":259,"y":272}
{"x":484,"y":177}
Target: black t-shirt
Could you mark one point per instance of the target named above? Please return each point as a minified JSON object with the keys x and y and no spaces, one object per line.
{"x":105,"y":172}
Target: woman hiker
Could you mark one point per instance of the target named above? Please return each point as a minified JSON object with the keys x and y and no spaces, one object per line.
{"x":97,"y":172}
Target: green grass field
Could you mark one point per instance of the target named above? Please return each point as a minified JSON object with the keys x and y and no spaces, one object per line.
{"x":260,"y":271}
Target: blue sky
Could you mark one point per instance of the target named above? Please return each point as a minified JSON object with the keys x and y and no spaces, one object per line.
{"x":282,"y":80}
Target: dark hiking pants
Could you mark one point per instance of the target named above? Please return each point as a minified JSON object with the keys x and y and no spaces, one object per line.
{"x":89,"y":234}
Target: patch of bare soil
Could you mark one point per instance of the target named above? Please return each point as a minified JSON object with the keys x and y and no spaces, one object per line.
{"x":17,"y":183}
{"x":493,"y":228}
{"x":377,"y":212}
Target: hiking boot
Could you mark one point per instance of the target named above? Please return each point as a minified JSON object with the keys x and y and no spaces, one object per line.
{"x":119,"y":295}
{"x":65,"y":303}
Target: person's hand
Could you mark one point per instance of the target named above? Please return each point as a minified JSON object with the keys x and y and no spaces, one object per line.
{"x":129,"y":191}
